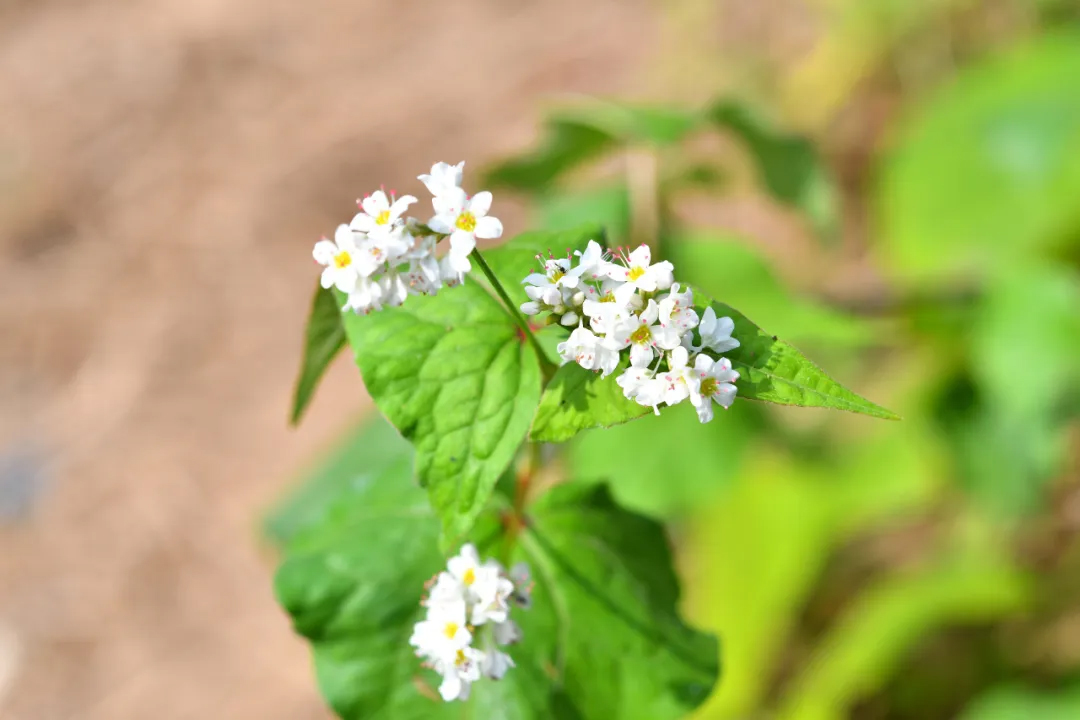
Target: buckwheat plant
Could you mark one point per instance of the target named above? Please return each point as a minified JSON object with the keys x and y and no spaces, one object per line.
{"x":484,"y":362}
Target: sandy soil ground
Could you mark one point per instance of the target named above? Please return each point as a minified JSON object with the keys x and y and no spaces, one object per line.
{"x":165,"y":166}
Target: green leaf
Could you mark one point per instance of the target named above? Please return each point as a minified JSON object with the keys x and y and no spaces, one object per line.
{"x":577,"y":399}
{"x":567,"y":144}
{"x":454,"y":376}
{"x":987,"y":171}
{"x":773,"y":371}
{"x":352,"y":586}
{"x":361,"y":456}
{"x":1016,"y":703}
{"x":513,"y":261}
{"x":576,"y":135}
{"x":728,"y":265}
{"x":642,"y":124}
{"x":1013,"y":440}
{"x":601,"y":640}
{"x":607,"y":206}
{"x":609,"y":620}
{"x":325,"y":337}
{"x":789,"y":164}
{"x":696,"y":461}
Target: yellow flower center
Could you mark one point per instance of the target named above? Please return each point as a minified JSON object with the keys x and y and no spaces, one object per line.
{"x":557,"y":275}
{"x":469,"y":577}
{"x":342,"y":260}
{"x":709,"y":387}
{"x":459,"y":659}
{"x":451,"y":630}
{"x":608,"y":297}
{"x":635,"y":273}
{"x":466,"y":221}
{"x":383,"y":217}
{"x":642,"y":335}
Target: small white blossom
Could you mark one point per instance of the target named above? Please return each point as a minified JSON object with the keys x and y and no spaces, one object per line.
{"x":460,"y":673}
{"x":641,"y":385}
{"x":380,"y":215}
{"x":680,"y":381}
{"x":645,"y":335}
{"x":716,"y":332}
{"x":464,"y":219}
{"x":467,"y":620}
{"x":717,"y":385}
{"x":339,"y":256}
{"x":551,"y":284}
{"x":589,"y":351}
{"x":366,"y":296}
{"x":639,"y":274}
{"x":677,"y":310}
{"x":443,"y":178}
{"x":593,"y":263}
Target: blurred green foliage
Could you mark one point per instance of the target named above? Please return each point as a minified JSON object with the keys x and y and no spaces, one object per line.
{"x":906,"y":570}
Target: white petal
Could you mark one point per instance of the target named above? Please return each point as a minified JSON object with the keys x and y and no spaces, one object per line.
{"x":401,"y":205}
{"x":375,"y":203}
{"x":443,"y":224}
{"x":725,"y":395}
{"x":324,"y":252}
{"x":480,"y":203}
{"x":462,"y":243}
{"x":642,"y":256}
{"x":327,"y":277}
{"x":362,"y":222}
{"x":488,"y":228}
{"x":640,"y":355}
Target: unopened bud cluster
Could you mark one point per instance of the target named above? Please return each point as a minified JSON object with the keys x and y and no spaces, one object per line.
{"x":625,"y":302}
{"x":381,"y":257}
{"x":468,"y":620}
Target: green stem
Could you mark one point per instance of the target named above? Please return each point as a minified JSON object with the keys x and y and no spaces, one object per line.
{"x":546,"y":367}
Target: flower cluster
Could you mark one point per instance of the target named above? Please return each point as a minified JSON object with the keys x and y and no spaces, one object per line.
{"x":468,"y":619}
{"x":380,"y":258}
{"x":626,"y":302}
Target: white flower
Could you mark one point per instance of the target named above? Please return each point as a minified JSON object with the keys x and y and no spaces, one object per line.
{"x":378,"y":215}
{"x":460,"y":673}
{"x":717,"y":385}
{"x":644,"y":335}
{"x":592,"y":263}
{"x":394,"y":288}
{"x":495,"y":663}
{"x":639,"y":274}
{"x":506,"y":633}
{"x":473,"y":575}
{"x":449,"y":273}
{"x":677,"y":310}
{"x":464,"y":220}
{"x":443,"y":633}
{"x":639,"y":384}
{"x":339,"y":256}
{"x":556,"y":278}
{"x":443,"y":177}
{"x":680,"y":381}
{"x":366,"y":296}
{"x":589,"y":351}
{"x":716,"y":332}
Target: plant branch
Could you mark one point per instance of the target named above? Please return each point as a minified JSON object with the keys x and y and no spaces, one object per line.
{"x":545,"y":366}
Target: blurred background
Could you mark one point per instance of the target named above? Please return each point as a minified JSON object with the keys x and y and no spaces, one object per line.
{"x":891,"y":185}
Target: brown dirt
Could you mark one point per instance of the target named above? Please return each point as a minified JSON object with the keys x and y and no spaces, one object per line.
{"x":165,"y":166}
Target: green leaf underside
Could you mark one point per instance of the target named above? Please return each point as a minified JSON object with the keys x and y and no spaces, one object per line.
{"x":324,"y":339}
{"x":788,"y":164}
{"x":454,"y":376}
{"x":577,"y":399}
{"x":514,"y":260}
{"x":773,"y":371}
{"x":601,"y":640}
